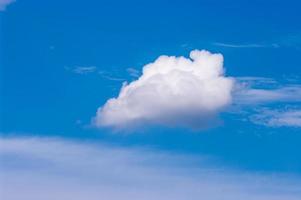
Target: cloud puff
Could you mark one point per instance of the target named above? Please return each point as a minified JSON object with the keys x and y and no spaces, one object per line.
{"x":171,"y":91}
{"x":35,"y":168}
{"x":5,"y":3}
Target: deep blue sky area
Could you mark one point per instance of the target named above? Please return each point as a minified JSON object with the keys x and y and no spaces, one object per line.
{"x":42,"y":42}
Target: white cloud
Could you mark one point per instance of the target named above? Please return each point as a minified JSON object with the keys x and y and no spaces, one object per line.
{"x":35,"y":168}
{"x":278,"y":118}
{"x":172,"y":91}
{"x":5,"y":3}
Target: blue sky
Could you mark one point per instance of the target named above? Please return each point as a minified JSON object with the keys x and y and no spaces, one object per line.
{"x":61,"y":61}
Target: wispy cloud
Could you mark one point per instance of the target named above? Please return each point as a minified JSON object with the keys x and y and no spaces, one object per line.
{"x":259,"y":90}
{"x":261,"y":95}
{"x":133,"y":72}
{"x":84,"y":69}
{"x":233,"y":45}
{"x":36,"y":168}
{"x":292,"y":40}
{"x":278,"y":118}
{"x":5,"y":3}
{"x":251,"y":80}
{"x":108,"y":75}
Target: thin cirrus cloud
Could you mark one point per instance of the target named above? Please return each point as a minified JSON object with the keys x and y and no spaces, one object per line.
{"x":252,"y":96}
{"x":260,"y":90}
{"x":231,"y":45}
{"x":278,"y":118}
{"x":260,"y":95}
{"x":5,"y":3}
{"x":108,"y":76}
{"x":48,"y":168}
{"x":287,"y":41}
{"x":133,"y":72}
{"x":172,"y":91}
{"x":84,"y":69}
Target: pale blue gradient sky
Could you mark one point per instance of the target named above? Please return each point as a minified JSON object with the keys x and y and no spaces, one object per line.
{"x":61,"y":60}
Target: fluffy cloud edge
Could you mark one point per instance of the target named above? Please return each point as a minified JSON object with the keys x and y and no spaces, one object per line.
{"x":172,"y":91}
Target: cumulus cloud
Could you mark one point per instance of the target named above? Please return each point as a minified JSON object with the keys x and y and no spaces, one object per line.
{"x":172,"y":91}
{"x":5,"y":3}
{"x":48,"y":168}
